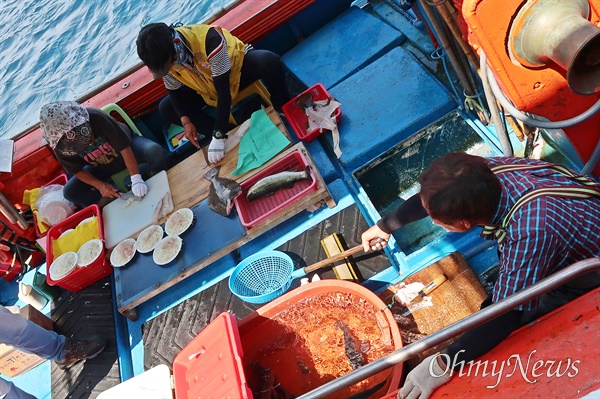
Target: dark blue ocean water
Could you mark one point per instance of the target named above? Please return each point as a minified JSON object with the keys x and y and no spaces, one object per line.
{"x":61,"y":49}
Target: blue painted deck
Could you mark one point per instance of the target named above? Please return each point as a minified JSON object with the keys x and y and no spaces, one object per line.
{"x":201,"y":240}
{"x":413,"y":99}
{"x":340,"y":48}
{"x":385,"y":103}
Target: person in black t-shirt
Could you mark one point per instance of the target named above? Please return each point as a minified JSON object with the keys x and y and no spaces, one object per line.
{"x":92,"y":146}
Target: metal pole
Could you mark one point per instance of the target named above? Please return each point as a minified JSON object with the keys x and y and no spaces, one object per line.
{"x":505,"y":143}
{"x":549,"y":283}
{"x":9,"y":211}
{"x":449,"y":47}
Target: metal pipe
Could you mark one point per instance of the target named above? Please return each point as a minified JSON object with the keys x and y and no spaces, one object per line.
{"x":530,"y":120}
{"x":507,"y":149}
{"x":9,"y":211}
{"x":439,"y":29}
{"x":448,"y":14}
{"x":499,"y":308}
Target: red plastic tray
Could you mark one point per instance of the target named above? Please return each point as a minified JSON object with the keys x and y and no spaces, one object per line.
{"x":298,"y":119}
{"x":83,"y":276}
{"x":253,"y":212}
{"x":210,"y":366}
{"x":60,"y":179}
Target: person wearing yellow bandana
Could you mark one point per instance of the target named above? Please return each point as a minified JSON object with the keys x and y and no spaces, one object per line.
{"x":206,"y":65}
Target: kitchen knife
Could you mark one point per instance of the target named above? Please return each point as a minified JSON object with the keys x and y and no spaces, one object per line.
{"x":428,"y":289}
{"x":129,"y":194}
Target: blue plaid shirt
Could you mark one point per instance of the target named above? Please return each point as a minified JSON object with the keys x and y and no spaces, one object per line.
{"x":546,"y":234}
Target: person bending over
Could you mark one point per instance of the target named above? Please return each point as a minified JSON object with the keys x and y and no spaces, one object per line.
{"x":545,"y":217}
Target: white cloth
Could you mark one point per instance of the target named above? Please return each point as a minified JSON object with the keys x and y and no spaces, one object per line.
{"x":60,"y":118}
{"x":407,"y":293}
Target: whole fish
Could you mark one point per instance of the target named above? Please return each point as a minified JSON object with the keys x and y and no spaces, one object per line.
{"x":222,"y":192}
{"x":268,"y":185}
{"x":355,"y":357}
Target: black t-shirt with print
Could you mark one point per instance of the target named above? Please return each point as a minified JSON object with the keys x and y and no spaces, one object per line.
{"x":110,"y":137}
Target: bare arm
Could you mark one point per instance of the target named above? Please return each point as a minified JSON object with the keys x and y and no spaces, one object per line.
{"x":130,"y":161}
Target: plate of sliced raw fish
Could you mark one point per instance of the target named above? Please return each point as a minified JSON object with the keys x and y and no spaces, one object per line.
{"x":148,"y":238}
{"x":179,"y":221}
{"x":123,"y":253}
{"x":167,"y":249}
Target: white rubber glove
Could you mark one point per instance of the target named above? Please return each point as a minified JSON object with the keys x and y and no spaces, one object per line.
{"x":424,"y":379}
{"x":138,"y":187}
{"x":216,"y":150}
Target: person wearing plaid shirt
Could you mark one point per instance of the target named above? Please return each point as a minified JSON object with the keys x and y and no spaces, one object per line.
{"x":545,"y":217}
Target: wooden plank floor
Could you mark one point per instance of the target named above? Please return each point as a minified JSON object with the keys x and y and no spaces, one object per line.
{"x":165,"y":335}
{"x":79,"y":314}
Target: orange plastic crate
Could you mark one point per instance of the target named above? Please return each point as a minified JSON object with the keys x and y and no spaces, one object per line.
{"x":210,"y":366}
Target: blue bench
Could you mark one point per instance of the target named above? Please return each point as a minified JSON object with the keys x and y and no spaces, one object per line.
{"x":343,"y":46}
{"x":383,"y":104}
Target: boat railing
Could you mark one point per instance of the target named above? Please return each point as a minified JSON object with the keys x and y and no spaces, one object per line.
{"x":503,"y":306}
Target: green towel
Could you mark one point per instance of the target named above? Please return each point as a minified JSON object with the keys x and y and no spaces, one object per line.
{"x":260,"y":143}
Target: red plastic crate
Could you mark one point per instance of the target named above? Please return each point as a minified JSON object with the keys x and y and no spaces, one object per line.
{"x":253,"y":212}
{"x":60,"y":179}
{"x":210,"y":366}
{"x":81,"y":277}
{"x":298,"y":119}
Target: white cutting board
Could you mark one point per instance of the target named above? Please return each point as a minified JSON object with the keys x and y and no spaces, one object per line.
{"x":123,"y":222}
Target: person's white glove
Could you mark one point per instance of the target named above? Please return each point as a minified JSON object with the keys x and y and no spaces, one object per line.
{"x":216,"y":150}
{"x":138,"y":187}
{"x":424,"y":379}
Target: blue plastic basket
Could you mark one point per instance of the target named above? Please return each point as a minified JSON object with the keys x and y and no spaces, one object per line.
{"x":262,"y":277}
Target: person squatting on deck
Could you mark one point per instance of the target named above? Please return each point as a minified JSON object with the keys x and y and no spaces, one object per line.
{"x":545,"y":217}
{"x":205,"y":64}
{"x":92,"y":146}
{"x":25,"y":335}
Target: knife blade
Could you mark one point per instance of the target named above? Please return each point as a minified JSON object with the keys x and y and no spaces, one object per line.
{"x":428,"y":289}
{"x":129,"y":194}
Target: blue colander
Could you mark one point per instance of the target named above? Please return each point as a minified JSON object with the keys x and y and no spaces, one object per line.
{"x":262,"y":277}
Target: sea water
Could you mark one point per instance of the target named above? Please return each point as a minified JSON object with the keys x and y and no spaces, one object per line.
{"x":61,"y":49}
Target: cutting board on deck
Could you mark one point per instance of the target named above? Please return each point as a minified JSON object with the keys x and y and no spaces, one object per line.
{"x":122,"y":222}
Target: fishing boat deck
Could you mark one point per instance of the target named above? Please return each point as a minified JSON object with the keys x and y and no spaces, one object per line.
{"x":164,"y":336}
{"x":143,"y":279}
{"x":175,"y":313}
{"x":396,"y":104}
